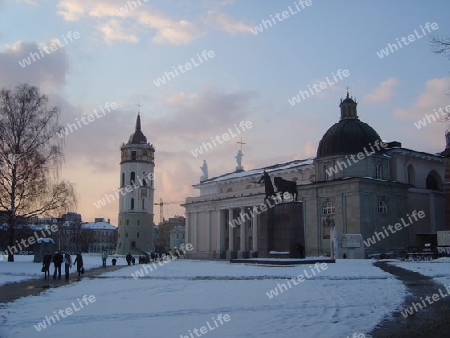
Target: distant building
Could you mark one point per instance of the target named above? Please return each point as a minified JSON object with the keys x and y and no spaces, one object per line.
{"x":98,"y":235}
{"x":177,"y":231}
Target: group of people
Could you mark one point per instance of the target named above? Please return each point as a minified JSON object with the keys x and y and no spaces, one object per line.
{"x":58,"y":259}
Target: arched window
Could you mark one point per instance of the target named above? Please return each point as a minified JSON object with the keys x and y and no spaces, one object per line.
{"x":123,"y":180}
{"x":382,"y":207}
{"x":143,"y":203}
{"x":133,"y":156}
{"x":132,"y":204}
{"x":328,"y":208}
{"x":433,"y":181}
{"x":132,"y":177}
{"x":410,"y":174}
{"x":133,"y":244}
{"x":144,"y":179}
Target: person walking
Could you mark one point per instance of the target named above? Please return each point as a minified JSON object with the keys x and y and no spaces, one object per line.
{"x":128,"y":258}
{"x":79,"y":262}
{"x":104,"y":257}
{"x":57,"y":261}
{"x":46,"y":264}
{"x":67,"y":264}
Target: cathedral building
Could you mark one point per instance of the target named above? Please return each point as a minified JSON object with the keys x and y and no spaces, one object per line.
{"x":357,"y":184}
{"x":136,"y":227}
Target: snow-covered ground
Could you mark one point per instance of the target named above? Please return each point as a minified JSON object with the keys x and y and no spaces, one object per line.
{"x":23,"y":267}
{"x":439,"y":269}
{"x":173,"y":300}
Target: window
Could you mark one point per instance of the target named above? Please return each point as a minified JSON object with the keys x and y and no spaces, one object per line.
{"x":132,"y":177}
{"x":328,"y":208}
{"x":138,"y":235}
{"x":133,"y":244}
{"x":382,"y":207}
{"x":144,"y":180}
{"x":133,"y":156}
{"x":132,"y":204}
{"x":433,"y":181}
{"x":123,"y":180}
{"x":378,"y":170}
{"x":143,"y":204}
{"x":410,"y":174}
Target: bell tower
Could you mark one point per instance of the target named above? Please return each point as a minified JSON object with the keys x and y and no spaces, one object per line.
{"x":136,"y":227}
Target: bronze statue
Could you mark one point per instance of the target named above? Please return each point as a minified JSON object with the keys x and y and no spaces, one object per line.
{"x":270,"y":191}
{"x":286,"y":186}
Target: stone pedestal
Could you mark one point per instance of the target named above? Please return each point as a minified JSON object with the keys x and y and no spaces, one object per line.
{"x":281,"y":229}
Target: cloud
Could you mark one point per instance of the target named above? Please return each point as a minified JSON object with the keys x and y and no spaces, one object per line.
{"x":227,"y":23}
{"x":118,"y":20}
{"x":383,"y":93}
{"x":168,"y":31}
{"x":114,"y":30}
{"x":435,"y":95}
{"x":47,"y":72}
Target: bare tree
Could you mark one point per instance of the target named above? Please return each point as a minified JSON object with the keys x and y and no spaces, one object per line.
{"x":31,"y":155}
{"x":440,"y":45}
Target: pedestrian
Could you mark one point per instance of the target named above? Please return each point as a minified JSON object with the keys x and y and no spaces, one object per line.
{"x":79,"y":262}
{"x":57,"y":261}
{"x":128,"y":258}
{"x":104,"y":257}
{"x":67,"y":264}
{"x":46,"y":264}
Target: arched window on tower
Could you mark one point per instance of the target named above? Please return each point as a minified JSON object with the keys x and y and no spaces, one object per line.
{"x":132,"y":204}
{"x":132,"y":178}
{"x":144,"y":179}
{"x":122,"y":184}
{"x":143,"y":203}
{"x":133,"y":156}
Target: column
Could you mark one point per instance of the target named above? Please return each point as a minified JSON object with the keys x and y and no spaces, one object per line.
{"x":230,"y":231}
{"x":255,"y":229}
{"x":220,"y":238}
{"x":194,"y":231}
{"x":242,"y":234}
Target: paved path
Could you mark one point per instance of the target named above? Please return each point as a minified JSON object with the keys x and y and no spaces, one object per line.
{"x":431,"y":321}
{"x":34,"y":287}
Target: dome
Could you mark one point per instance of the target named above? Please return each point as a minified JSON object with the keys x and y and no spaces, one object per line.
{"x":137,"y":137}
{"x":349,"y":135}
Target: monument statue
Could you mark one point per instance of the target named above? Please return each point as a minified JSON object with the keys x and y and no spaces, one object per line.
{"x":286,"y":186}
{"x":270,"y":191}
{"x":204,"y":168}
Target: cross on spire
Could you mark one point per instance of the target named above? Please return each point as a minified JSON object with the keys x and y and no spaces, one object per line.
{"x":139,"y":106}
{"x":241,"y":143}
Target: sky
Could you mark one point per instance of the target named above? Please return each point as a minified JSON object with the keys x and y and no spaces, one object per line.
{"x":91,"y":54}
